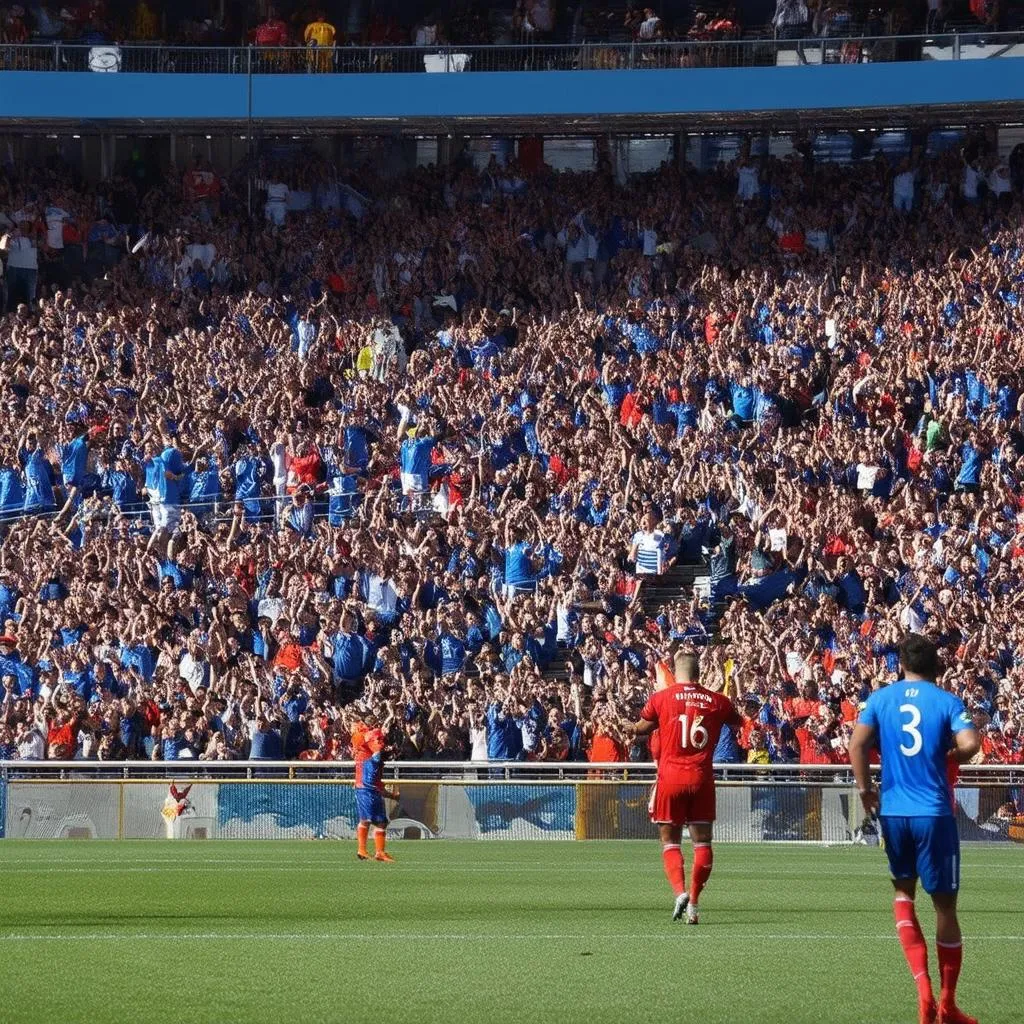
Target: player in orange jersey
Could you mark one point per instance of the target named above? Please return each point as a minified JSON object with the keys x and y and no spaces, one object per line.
{"x":688,"y":719}
{"x":368,"y":752}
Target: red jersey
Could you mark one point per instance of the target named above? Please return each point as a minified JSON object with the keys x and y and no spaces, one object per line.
{"x":690,"y":719}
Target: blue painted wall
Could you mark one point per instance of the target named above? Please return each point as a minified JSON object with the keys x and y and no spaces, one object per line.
{"x":85,"y":96}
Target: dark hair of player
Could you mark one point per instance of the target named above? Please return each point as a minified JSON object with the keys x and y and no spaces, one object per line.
{"x":919,"y":655}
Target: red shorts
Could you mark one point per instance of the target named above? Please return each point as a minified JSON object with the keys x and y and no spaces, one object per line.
{"x":673,"y":804}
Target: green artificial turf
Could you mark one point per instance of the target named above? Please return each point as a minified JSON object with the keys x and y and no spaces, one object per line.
{"x":488,"y":932}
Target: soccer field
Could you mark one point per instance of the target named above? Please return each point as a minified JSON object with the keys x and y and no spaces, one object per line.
{"x":301,"y":932}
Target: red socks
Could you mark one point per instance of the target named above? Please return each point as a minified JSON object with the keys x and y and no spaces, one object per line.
{"x":379,"y":836}
{"x":914,"y":947}
{"x":703,"y":859}
{"x":362,"y":833}
{"x":672,"y":858}
{"x":951,"y":956}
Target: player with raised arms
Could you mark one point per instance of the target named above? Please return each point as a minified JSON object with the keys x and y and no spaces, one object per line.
{"x":916,"y":726}
{"x":368,"y":752}
{"x":688,"y":719}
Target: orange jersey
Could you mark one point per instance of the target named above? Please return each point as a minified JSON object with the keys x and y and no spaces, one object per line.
{"x":690,"y":719}
{"x":359,"y":749}
{"x":365,"y":744}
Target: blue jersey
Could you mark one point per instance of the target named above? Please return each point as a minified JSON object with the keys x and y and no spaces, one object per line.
{"x":915,"y":723}
{"x":371,"y":772}
{"x":72,"y":462}
{"x":414,"y":455}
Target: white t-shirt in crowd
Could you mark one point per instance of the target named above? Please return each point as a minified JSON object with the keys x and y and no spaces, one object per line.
{"x":55,"y":218}
{"x":478,"y":744}
{"x":866,"y":476}
{"x":650,"y":548}
{"x":748,"y":186}
{"x":277,"y":192}
{"x":999,"y":180}
{"x":270,"y":608}
{"x":279,"y":460}
{"x":206,"y":254}
{"x":972,"y":179}
{"x":649,"y":27}
{"x":22,"y":254}
{"x":426,"y":35}
{"x":910,"y":620}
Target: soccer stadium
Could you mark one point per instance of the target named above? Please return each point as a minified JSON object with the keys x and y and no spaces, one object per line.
{"x":512,"y":511}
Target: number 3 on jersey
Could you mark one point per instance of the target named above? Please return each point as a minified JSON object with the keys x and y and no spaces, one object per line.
{"x":913,"y":747}
{"x":694,"y":737}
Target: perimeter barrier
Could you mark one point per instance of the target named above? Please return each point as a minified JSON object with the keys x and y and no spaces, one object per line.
{"x":445,"y":800}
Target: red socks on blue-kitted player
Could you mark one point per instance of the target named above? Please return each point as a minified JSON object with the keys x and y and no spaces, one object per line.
{"x":915,"y":949}
{"x":675,"y":869}
{"x":951,"y":955}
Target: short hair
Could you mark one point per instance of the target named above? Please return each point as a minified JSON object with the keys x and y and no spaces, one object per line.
{"x":687,"y":668}
{"x":919,"y":655}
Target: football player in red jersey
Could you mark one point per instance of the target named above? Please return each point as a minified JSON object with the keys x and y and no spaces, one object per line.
{"x":689,"y":719}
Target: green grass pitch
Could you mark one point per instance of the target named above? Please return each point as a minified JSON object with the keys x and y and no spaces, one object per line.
{"x":477,"y":933}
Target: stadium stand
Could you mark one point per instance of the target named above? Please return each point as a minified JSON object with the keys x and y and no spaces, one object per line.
{"x":475,"y":449}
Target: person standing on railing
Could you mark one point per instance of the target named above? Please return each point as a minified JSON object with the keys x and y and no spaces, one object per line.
{"x":689,"y":720}
{"x":916,"y":726}
{"x":320,"y":37}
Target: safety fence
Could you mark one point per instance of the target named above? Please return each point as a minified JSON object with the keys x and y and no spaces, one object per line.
{"x":842,"y":46}
{"x":311,"y":800}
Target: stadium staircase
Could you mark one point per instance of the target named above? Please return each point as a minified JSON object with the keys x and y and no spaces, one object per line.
{"x":656,"y":595}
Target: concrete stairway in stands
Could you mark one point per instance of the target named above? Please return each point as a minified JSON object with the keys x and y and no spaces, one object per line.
{"x":675,"y":585}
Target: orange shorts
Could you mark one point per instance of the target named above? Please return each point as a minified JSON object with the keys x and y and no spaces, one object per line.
{"x":680,"y":805}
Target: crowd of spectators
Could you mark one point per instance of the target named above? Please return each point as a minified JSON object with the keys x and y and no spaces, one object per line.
{"x":331,"y":24}
{"x":392,"y":447}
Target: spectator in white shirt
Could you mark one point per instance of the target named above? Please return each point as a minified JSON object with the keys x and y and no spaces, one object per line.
{"x":903,"y":189}
{"x":748,"y":186}
{"x":426,"y":34}
{"x":193,"y":666}
{"x":55,"y":220}
{"x":22,"y":265}
{"x":790,"y":19}
{"x":647,"y":550}
{"x":277,"y":202}
{"x":999,"y":182}
{"x":972,"y":179}
{"x":650,"y":28}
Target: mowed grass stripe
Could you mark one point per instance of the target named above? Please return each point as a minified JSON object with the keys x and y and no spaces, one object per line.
{"x":481,"y":933}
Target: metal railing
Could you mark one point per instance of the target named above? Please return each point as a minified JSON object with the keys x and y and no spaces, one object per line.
{"x":460,"y":771}
{"x":685,"y":53}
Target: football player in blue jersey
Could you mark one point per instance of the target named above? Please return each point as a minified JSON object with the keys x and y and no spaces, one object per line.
{"x":917,"y":727}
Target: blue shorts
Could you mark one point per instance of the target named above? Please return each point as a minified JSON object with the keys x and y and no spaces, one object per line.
{"x":925,"y":848}
{"x":370,"y":806}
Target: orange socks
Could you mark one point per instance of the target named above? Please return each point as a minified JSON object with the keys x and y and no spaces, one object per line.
{"x":379,"y":838}
{"x":362,"y":833}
